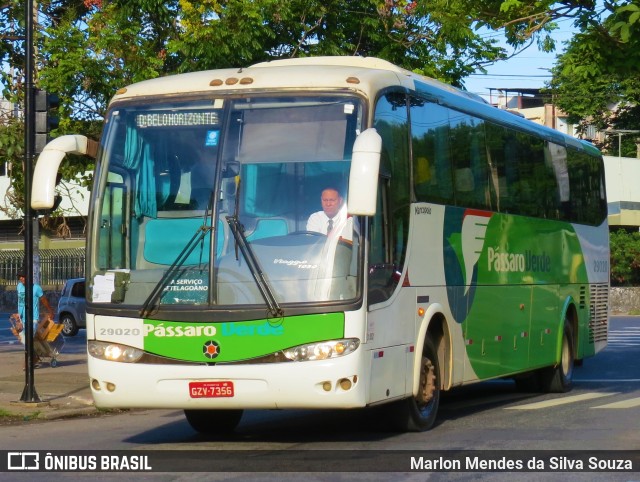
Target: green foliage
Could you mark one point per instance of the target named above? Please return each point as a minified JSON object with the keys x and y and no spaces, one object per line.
{"x":11,"y":139}
{"x":625,"y":258}
{"x":596,"y":81}
{"x":87,"y":49}
{"x":12,"y":152}
{"x":623,"y":26}
{"x":437,"y":39}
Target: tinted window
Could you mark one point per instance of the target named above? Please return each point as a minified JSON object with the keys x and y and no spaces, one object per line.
{"x":524,"y":173}
{"x":391,"y":227}
{"x":463,"y":160}
{"x":587,"y":193}
{"x":469,"y":155}
{"x":78,"y":289}
{"x":432,"y":175}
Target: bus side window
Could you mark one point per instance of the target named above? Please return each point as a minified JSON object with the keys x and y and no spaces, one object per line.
{"x":586,"y":191}
{"x":470,"y":158}
{"x":391,"y":223}
{"x":496,"y":140}
{"x":380,"y":268}
{"x":432,"y":176}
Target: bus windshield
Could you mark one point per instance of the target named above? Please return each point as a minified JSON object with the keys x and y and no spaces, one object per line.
{"x":251,"y":189}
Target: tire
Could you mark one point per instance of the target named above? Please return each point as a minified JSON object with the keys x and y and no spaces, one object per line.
{"x":559,"y":378}
{"x":213,"y":422}
{"x":69,"y":325}
{"x":418,"y":414}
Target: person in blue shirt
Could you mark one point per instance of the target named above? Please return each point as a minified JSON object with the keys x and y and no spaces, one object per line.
{"x":38,"y":296}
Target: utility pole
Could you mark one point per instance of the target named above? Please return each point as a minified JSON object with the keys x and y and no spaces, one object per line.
{"x":29,"y":393}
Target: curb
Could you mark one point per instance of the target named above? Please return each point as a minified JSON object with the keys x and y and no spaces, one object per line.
{"x":69,"y":413}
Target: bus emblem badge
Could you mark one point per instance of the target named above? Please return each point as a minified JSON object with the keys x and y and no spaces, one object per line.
{"x":211,"y":349}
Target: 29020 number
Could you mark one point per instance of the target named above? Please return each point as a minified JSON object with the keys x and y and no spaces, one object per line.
{"x":119,"y":331}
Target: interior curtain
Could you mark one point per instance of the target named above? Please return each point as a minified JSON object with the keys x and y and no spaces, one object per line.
{"x":137,"y":156}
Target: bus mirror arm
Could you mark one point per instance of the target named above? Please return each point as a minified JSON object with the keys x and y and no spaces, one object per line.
{"x":363,"y":177}
{"x":48,"y":163}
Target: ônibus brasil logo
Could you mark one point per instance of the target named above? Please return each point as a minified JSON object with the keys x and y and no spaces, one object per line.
{"x":211,"y":349}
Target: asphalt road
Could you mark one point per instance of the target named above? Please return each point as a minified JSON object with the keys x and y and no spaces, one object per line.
{"x":601,"y":413}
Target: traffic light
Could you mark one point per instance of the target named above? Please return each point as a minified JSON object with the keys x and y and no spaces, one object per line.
{"x":46,"y":117}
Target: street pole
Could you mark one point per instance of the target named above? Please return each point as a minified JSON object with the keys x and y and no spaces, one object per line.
{"x":29,"y":393}
{"x":619,"y":144}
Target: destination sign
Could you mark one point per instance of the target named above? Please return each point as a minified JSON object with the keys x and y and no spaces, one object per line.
{"x":177,"y":119}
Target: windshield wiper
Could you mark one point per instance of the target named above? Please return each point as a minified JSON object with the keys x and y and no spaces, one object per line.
{"x":254,"y":267}
{"x":149,"y":306}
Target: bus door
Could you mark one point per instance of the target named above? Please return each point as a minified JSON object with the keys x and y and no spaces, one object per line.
{"x":111,"y":239}
{"x":390,"y":326}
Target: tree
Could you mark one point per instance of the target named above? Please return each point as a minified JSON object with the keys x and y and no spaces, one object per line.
{"x":625,"y":258}
{"x":596,"y":81}
{"x":87,"y":49}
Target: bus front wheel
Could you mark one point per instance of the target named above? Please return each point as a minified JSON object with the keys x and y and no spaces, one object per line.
{"x":558,"y":379}
{"x":417,"y":414}
{"x":213,"y":422}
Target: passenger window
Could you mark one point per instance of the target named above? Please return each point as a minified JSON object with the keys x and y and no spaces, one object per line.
{"x":469,"y":154}
{"x":432,"y":177}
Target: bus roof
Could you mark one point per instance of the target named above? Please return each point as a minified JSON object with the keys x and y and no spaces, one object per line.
{"x":359,"y":74}
{"x":363,"y":75}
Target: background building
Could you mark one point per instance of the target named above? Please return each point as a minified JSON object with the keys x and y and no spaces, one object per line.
{"x":623,"y":191}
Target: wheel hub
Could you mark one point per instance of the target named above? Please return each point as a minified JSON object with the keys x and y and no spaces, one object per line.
{"x":427,"y":381}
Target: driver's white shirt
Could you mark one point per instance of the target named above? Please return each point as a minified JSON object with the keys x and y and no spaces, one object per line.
{"x":342,"y":224}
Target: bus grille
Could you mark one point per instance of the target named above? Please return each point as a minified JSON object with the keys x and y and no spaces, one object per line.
{"x":598,"y":312}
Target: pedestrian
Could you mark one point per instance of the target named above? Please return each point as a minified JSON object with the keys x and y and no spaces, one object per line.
{"x":38,"y":296}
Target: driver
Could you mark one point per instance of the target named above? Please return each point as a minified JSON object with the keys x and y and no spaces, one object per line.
{"x":333,"y":219}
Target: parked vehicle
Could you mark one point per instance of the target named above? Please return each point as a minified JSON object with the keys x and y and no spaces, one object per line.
{"x":72,"y":307}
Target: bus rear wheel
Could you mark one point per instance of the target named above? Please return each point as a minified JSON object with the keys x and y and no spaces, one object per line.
{"x":559,"y":378}
{"x":417,"y":414}
{"x":212,"y":422}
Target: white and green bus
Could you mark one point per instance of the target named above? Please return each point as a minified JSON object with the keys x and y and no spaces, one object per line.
{"x":471,"y":244}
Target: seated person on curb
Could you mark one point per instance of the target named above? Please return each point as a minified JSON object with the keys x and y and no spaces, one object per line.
{"x":333,"y":217}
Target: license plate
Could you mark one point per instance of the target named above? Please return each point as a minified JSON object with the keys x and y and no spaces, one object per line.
{"x":210,"y":389}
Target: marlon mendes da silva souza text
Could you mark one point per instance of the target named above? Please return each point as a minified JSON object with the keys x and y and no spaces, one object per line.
{"x":533,"y":463}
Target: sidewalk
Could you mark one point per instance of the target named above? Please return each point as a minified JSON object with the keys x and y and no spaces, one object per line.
{"x":63,"y":391}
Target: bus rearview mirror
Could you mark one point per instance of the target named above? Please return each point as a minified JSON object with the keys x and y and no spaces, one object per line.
{"x":45,"y":175}
{"x":363,"y":177}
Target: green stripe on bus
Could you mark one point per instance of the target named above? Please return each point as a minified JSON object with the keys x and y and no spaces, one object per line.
{"x":239,"y":340}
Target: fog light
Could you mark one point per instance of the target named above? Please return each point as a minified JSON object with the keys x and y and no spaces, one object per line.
{"x":95,"y":384}
{"x":111,"y":387}
{"x":326,"y":386}
{"x":345,"y":384}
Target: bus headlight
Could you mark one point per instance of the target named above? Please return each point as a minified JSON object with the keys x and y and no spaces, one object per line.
{"x":322,"y":350}
{"x":114,"y":352}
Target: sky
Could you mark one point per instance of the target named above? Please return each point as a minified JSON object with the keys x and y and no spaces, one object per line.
{"x":529,"y":69}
